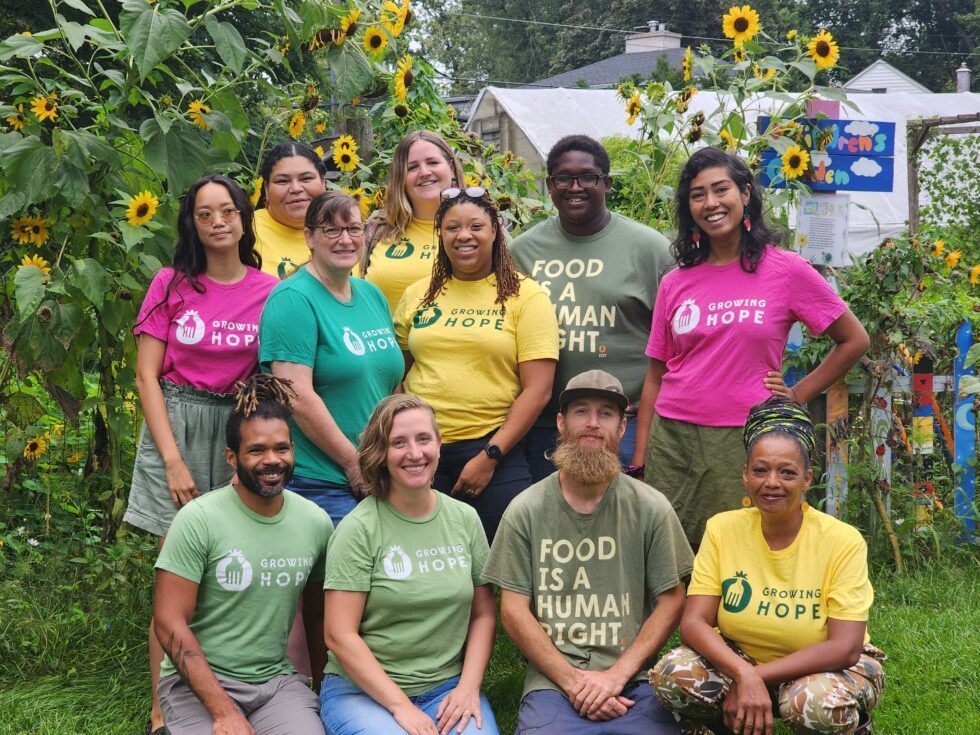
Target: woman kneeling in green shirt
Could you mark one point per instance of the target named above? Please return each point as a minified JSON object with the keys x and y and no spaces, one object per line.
{"x":409,"y":620}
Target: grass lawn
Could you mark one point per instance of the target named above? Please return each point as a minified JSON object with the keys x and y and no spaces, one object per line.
{"x":928,"y":622}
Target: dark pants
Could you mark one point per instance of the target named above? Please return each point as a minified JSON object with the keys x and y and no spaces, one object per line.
{"x":542,"y":439}
{"x":509,"y":478}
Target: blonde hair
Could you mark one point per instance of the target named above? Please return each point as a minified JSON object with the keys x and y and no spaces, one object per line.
{"x":398,"y":208}
{"x":372,"y":454}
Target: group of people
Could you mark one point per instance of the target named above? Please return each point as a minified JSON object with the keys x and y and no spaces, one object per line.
{"x":355,"y":431}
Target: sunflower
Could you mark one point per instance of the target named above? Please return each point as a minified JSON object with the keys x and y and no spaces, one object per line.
{"x":320,"y":127}
{"x":375,"y":40}
{"x":938,"y":248}
{"x":823,"y":50}
{"x":790,"y":34}
{"x":35,"y":448}
{"x":296,"y":124}
{"x":256,"y":191}
{"x":345,"y":159}
{"x":684,"y":99}
{"x":38,"y":262}
{"x":728,"y":139}
{"x":363,"y":201}
{"x":348,"y":24}
{"x":687,"y":64}
{"x":795,"y":162}
{"x":378,"y":200}
{"x":325,"y":37}
{"x":761,"y":73}
{"x":395,"y":16}
{"x":21,"y":229}
{"x":141,"y":208}
{"x":39,"y":231}
{"x":17,"y":120}
{"x":401,"y":111}
{"x":633,"y":107}
{"x":197,"y":110}
{"x":74,"y":458}
{"x":345,"y":141}
{"x":952,"y":258}
{"x":45,"y":108}
{"x":975,"y":275}
{"x":740,"y":24}
{"x":738,"y":55}
{"x":403,"y":77}
{"x":319,"y":151}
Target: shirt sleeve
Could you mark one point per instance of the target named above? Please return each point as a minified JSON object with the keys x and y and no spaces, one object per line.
{"x":350,"y":558}
{"x":812,"y":300}
{"x":660,"y":345}
{"x":509,"y":563}
{"x":288,"y":329}
{"x":537,"y":327}
{"x":669,"y":556}
{"x":402,"y":319}
{"x":154,"y":316}
{"x":318,"y":569}
{"x":479,"y":549}
{"x":706,"y":578}
{"x":850,"y":595}
{"x":185,"y":550}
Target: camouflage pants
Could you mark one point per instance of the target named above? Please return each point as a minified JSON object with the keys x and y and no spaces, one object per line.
{"x":828,"y":703}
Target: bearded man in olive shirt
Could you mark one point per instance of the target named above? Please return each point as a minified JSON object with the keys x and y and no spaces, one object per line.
{"x":589,"y":562}
{"x":602,"y":271}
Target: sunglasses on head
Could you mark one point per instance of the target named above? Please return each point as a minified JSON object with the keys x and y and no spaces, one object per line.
{"x":473,"y":192}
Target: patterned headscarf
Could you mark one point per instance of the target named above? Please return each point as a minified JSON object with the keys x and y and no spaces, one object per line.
{"x":780,"y":415}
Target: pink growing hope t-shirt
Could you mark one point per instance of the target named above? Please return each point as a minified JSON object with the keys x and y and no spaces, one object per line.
{"x":720,"y":330}
{"x":212,"y":337}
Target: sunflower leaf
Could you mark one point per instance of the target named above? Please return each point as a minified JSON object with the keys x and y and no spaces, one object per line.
{"x":30,"y":166}
{"x":28,"y":290}
{"x":152,"y":33}
{"x":89,"y":277}
{"x":352,"y":72}
{"x":227,"y":42}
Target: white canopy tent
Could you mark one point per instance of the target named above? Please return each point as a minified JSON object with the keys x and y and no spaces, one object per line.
{"x":545,"y":115}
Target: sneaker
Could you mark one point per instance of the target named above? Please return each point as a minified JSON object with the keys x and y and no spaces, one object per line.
{"x":864,"y":725}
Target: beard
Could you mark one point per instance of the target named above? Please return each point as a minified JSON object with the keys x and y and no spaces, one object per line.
{"x":589,"y":465}
{"x":249,"y":479}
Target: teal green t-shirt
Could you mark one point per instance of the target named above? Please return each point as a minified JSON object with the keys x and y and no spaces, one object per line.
{"x":419,"y":575}
{"x":603,"y":287}
{"x":350,"y":346}
{"x":250,"y":571}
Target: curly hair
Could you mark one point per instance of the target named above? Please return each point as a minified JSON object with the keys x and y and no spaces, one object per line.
{"x":753,"y":243}
{"x":502,"y":264}
{"x":372,"y":453}
{"x":582,"y":143}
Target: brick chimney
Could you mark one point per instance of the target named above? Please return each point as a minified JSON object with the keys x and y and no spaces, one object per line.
{"x":655,"y":38}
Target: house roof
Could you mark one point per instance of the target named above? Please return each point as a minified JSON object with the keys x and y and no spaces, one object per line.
{"x":879,"y":66}
{"x":611,"y":71}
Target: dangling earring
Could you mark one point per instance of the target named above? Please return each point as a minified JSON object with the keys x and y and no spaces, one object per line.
{"x":696,"y":237}
{"x":746,"y":501}
{"x":747,"y":224}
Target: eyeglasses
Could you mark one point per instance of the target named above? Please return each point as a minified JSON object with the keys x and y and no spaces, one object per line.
{"x":586,"y":181}
{"x":333,"y":233}
{"x":473,"y":192}
{"x":206,"y":216}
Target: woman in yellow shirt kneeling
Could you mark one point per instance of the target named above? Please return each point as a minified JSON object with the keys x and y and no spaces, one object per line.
{"x":777,"y":610}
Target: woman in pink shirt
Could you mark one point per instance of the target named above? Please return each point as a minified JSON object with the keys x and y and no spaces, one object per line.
{"x":198,"y":336}
{"x":720,"y":325}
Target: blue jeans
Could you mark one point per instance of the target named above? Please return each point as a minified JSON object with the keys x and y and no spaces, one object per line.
{"x":510,"y":477}
{"x":346,"y":710}
{"x":336,"y":499}
{"x":541,"y":439}
{"x":548,"y":711}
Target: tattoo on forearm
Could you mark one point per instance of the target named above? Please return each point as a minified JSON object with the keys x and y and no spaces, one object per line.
{"x":175,"y":650}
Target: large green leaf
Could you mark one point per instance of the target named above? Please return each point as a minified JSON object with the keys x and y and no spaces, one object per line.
{"x":78,"y":5}
{"x":22,"y":409}
{"x":227,"y":42}
{"x":82,"y":143}
{"x":180,"y":153}
{"x":28,"y":290}
{"x":89,"y":277}
{"x":152,"y":33}
{"x":30,"y":166}
{"x":20,"y":45}
{"x":352,"y":72}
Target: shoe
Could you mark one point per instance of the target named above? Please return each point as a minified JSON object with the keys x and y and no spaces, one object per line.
{"x":864,"y":725}
{"x":162,"y":730}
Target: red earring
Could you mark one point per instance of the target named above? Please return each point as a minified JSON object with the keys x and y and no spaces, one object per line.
{"x":696,"y":236}
{"x":747,"y":225}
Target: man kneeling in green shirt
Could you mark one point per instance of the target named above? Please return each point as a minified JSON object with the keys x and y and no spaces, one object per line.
{"x":228,"y":580}
{"x":589,"y":562}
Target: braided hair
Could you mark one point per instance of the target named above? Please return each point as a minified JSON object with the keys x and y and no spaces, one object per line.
{"x":781,"y":417}
{"x":502,"y":264}
{"x":261,"y":396}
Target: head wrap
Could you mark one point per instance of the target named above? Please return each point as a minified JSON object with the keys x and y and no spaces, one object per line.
{"x":782,"y":416}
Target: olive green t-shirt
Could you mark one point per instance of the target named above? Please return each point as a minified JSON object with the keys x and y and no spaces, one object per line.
{"x":592,"y":577}
{"x":250,"y":570}
{"x":419,"y":575}
{"x":603,"y":287}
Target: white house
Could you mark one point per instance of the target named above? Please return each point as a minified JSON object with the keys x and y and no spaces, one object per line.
{"x":881,"y":77}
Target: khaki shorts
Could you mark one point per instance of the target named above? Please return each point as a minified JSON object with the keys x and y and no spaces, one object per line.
{"x":197,"y":419}
{"x":698,"y":468}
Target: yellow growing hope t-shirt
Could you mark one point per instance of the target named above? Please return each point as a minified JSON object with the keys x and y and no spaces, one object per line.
{"x":776,"y":602}
{"x":394,"y":266}
{"x":466,"y":351}
{"x":282,"y":248}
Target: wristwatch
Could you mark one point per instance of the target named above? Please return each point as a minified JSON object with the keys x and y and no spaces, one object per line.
{"x":493,"y":452}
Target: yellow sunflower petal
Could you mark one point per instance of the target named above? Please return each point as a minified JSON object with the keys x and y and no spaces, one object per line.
{"x":375,"y":40}
{"x":38,"y":262}
{"x":740,"y":24}
{"x":45,"y":108}
{"x":141,"y":208}
{"x":687,"y":64}
{"x":296,"y":124}
{"x":795,"y":162}
{"x":823,"y":50}
{"x":403,"y":77}
{"x":197,"y":110}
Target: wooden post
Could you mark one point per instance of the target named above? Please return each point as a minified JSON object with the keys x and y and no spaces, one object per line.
{"x":836,"y":450}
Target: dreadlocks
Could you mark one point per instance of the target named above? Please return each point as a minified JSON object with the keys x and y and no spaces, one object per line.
{"x":507,"y":277}
{"x":261,"y":396}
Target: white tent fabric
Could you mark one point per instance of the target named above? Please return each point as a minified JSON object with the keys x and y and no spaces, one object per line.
{"x":545,"y":115}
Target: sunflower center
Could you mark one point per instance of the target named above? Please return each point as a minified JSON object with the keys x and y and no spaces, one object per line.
{"x":741,"y":25}
{"x":49,"y":106}
{"x":823,"y":48}
{"x":409,"y":78}
{"x":376,"y":41}
{"x":794,"y":161}
{"x":345,"y":157}
{"x":142,"y":210}
{"x":32,"y":447}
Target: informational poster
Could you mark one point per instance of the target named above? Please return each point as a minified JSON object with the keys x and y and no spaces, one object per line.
{"x":821,"y":229}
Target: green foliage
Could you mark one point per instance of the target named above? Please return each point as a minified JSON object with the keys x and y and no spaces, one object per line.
{"x":949,"y":182}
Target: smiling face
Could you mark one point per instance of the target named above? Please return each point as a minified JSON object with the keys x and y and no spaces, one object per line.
{"x":579,"y":209}
{"x":339,"y":254}
{"x":427,"y":173}
{"x":775,"y":476}
{"x":413,"y":450}
{"x":592,"y":421}
{"x":717,"y":206}
{"x":467,"y":235}
{"x":293,"y":183}
{"x":223,"y":229}
{"x":264,"y":461}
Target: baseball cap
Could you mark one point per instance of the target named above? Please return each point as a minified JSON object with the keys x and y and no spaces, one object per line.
{"x":593,"y":383}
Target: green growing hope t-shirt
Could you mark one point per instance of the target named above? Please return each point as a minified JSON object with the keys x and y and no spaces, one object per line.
{"x":591,"y":577}
{"x":419,"y":575}
{"x":250,"y":570}
{"x":350,"y":346}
